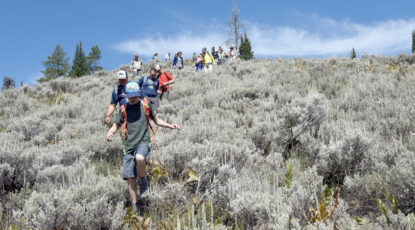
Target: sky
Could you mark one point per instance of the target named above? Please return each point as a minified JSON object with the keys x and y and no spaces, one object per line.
{"x":30,"y":30}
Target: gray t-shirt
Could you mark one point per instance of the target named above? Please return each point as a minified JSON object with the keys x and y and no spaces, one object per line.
{"x":179,"y":62}
{"x":137,"y":127}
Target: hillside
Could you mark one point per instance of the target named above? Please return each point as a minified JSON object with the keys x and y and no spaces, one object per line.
{"x":267,"y":144}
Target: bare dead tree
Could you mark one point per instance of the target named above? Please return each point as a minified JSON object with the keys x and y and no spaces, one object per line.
{"x":234,"y":29}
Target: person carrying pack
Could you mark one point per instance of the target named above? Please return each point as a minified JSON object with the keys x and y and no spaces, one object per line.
{"x":232,"y":53}
{"x":118,"y":95}
{"x":149,"y":86}
{"x":135,"y":123}
{"x":136,"y":66}
{"x":222,"y":56}
{"x":208,"y":60}
{"x":165,"y":79}
{"x":168,"y":58}
{"x":215,"y":54}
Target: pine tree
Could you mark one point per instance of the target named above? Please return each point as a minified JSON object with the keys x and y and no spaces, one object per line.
{"x":8,"y":83}
{"x":353,"y":54}
{"x":245,"y":50}
{"x":413,"y":41}
{"x":93,"y":59}
{"x":56,"y":65}
{"x":80,"y":65}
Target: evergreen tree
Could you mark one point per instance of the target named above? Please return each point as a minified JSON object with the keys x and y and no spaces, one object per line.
{"x":245,"y":49}
{"x":56,"y":65}
{"x":8,"y":83}
{"x":93,"y":59}
{"x":413,"y":41}
{"x":353,"y":54}
{"x":80,"y":65}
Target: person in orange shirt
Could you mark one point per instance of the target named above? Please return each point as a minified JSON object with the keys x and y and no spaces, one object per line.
{"x":165,"y":79}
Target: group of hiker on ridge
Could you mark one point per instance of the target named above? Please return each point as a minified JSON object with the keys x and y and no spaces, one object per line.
{"x":206,"y":60}
{"x":138,"y":102}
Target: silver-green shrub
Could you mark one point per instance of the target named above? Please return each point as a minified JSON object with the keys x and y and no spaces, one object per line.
{"x":268,"y":140}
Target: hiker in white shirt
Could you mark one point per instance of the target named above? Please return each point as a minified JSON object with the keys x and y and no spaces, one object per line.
{"x":136,"y":66}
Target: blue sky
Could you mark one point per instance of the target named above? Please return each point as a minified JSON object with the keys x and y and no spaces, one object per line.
{"x":30,"y":29}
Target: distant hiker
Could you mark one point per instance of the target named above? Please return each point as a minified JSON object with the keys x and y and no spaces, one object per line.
{"x":134,"y":120}
{"x":149,"y":86}
{"x":156,"y":58}
{"x":178,"y":61}
{"x":136,"y":66}
{"x":118,"y":95}
{"x":165,"y":80}
{"x":232,"y":53}
{"x":208,"y":60}
{"x":222,"y":56}
{"x":199,"y":63}
{"x":168,"y":58}
{"x":214,"y":54}
{"x":194,"y":58}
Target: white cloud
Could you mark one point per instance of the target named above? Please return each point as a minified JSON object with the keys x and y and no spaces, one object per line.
{"x":324,"y":37}
{"x":386,"y":37}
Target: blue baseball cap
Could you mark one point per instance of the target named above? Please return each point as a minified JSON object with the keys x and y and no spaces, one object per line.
{"x":132,"y":89}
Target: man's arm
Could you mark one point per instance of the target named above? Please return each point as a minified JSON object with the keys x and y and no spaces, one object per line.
{"x":169,"y":82}
{"x":110,"y":110}
{"x":164,"y":124}
{"x":112,"y":130}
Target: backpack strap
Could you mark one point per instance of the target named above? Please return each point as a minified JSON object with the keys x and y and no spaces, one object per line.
{"x":123,"y":131}
{"x":144,"y":101}
{"x":145,"y":81}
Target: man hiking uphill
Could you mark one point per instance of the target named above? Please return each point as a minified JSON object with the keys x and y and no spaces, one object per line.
{"x":165,"y":79}
{"x":118,"y":95}
{"x":135,"y":125}
{"x":149,"y":86}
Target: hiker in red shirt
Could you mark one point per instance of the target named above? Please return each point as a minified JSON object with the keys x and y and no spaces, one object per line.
{"x":165,"y":79}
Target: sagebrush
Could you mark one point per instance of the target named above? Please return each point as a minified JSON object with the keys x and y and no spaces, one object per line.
{"x":272,"y":144}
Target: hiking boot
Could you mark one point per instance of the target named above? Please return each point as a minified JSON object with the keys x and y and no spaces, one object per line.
{"x":144,"y":191}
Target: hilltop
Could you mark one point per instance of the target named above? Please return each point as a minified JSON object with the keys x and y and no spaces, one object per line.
{"x":264,"y":144}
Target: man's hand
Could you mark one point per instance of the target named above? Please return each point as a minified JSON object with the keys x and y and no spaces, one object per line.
{"x":164,"y":83}
{"x":109,"y":136}
{"x":175,"y":126}
{"x":107,"y":119}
